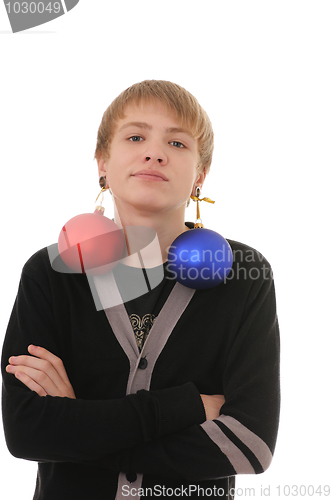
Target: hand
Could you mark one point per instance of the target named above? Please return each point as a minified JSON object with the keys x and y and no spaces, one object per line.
{"x":212,"y":405}
{"x":43,"y":372}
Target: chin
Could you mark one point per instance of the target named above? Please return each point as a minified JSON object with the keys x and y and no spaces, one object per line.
{"x":150,"y":205}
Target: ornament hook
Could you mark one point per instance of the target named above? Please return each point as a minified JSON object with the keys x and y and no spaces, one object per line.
{"x":198,"y":215}
{"x":102,"y":184}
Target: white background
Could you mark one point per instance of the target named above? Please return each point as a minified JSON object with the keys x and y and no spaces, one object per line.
{"x":262,"y":71}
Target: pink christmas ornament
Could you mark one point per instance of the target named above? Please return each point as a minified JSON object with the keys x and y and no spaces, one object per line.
{"x":91,"y":244}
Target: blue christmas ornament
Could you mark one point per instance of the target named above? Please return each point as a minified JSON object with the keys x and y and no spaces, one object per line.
{"x":200,"y":258}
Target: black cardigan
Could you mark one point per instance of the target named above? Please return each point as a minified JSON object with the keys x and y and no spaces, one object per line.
{"x":225,"y":341}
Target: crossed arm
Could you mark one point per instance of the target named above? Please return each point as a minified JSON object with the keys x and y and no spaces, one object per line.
{"x":45,"y":374}
{"x":165,"y":435}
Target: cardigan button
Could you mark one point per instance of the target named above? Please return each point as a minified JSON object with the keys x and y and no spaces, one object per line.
{"x":131,"y":477}
{"x":143,"y":363}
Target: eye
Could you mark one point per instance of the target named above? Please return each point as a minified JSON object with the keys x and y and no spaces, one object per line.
{"x":177,"y":144}
{"x":136,"y":138}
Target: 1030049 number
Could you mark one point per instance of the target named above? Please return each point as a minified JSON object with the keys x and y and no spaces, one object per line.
{"x":33,"y":7}
{"x":303,"y":490}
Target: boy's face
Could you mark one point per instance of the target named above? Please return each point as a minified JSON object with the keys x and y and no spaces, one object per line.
{"x":150,"y":138}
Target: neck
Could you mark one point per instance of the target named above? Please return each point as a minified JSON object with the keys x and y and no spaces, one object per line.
{"x":152,"y":232}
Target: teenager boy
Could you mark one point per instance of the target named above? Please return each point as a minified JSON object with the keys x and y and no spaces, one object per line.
{"x":171,"y":393}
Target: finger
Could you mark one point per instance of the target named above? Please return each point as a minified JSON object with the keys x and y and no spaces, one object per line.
{"x":42,"y":365}
{"x":38,"y":365}
{"x":55,"y":361}
{"x":38,"y":377}
{"x":30,"y":384}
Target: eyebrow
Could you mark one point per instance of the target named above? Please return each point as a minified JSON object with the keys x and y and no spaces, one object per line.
{"x":135,"y":124}
{"x":149,"y":127}
{"x":179,"y":129}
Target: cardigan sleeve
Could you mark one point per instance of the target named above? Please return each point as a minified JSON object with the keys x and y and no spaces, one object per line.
{"x":242,"y":439}
{"x":62,"y":429}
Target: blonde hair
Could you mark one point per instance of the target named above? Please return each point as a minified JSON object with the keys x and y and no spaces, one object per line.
{"x":186,"y":107}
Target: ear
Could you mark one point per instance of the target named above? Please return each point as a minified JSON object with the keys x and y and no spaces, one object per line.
{"x":200,"y":180}
{"x":101,"y":166}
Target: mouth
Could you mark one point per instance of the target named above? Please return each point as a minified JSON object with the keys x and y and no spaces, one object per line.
{"x":150,"y":175}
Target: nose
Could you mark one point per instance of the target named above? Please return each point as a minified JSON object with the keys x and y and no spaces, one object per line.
{"x":148,"y":158}
{"x":154,"y":153}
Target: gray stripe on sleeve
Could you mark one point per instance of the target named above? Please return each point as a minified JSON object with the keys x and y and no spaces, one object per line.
{"x":238,"y":460}
{"x":255,"y":444}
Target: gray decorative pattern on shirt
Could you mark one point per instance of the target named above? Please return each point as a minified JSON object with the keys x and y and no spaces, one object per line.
{"x":141,"y":327}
